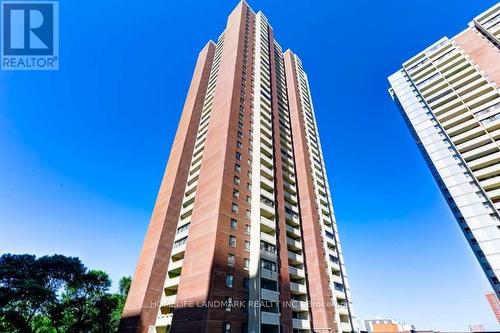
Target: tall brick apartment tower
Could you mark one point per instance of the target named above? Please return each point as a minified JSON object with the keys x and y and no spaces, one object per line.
{"x":243,"y":236}
{"x":449,"y":96}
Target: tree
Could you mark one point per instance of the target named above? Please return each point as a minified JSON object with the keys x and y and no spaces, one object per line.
{"x":56,"y":294}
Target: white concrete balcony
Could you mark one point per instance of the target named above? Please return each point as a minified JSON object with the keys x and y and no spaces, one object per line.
{"x":289,"y":187}
{"x":295,"y":258}
{"x":292,"y":219}
{"x":303,"y":324}
{"x":266,"y":161}
{"x":267,"y":274}
{"x":293,"y":244}
{"x":174,"y":265}
{"x":336,"y":278}
{"x":293,"y":230}
{"x":267,"y":225}
{"x":164,"y":319}
{"x":186,"y":211}
{"x":338,"y":294}
{"x":266,"y":172}
{"x":480,"y":151}
{"x":267,"y":208}
{"x":492,"y":182}
{"x":181,"y":234}
{"x":345,"y":327}
{"x":335,"y":266}
{"x":299,"y":305}
{"x":270,"y":295}
{"x":296,"y":272}
{"x":298,"y":288}
{"x":168,"y":300}
{"x":270,"y":318}
{"x":342,"y":310}
{"x":290,"y":198}
{"x":172,"y":283}
{"x":268,"y":255}
{"x":178,"y":252}
{"x":267,"y":184}
{"x":483,"y":161}
{"x":268,"y":238}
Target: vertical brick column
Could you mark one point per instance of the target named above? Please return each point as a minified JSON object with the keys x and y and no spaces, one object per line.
{"x":141,"y":307}
{"x":320,"y":295}
{"x":205,"y":261}
{"x":284,"y":275}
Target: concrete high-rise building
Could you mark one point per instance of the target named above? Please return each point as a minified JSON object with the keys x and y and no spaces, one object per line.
{"x":448,"y":95}
{"x":243,"y":236}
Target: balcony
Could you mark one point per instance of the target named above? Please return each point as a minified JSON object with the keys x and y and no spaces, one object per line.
{"x":290,"y":198}
{"x":266,"y":161}
{"x":178,"y":252}
{"x":266,"y":209}
{"x":268,"y":238}
{"x":301,"y":324}
{"x":270,"y":318}
{"x":164,"y":319}
{"x":175,"y":266}
{"x":172,"y":283}
{"x":295,"y":258}
{"x":293,"y":244}
{"x":345,"y":327}
{"x":168,"y":300}
{"x":298,"y":288}
{"x":299,"y":305}
{"x":266,"y":184}
{"x":270,"y":275}
{"x":293,"y":232}
{"x":270,"y":295}
{"x":266,"y":171}
{"x":267,"y":225}
{"x":296,"y":272}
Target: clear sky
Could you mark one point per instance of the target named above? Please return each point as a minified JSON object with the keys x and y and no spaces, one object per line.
{"x":82,"y":150}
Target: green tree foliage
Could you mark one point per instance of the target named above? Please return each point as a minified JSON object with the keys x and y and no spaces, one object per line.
{"x":57,"y":294}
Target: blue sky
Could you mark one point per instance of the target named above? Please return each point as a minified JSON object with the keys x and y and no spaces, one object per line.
{"x":82,"y":150}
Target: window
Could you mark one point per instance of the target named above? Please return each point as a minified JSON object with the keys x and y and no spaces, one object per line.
{"x":240,"y":134}
{"x":238,"y":156}
{"x":234,"y":208}
{"x":246,"y":263}
{"x":267,"y":264}
{"x":236,"y":180}
{"x":248,"y":199}
{"x":229,"y":280}
{"x":226,"y":327}
{"x":236,"y":194}
{"x":180,"y":242}
{"x":232,"y":241}
{"x":237,"y":167}
{"x":246,"y":283}
{"x":267,"y":247}
{"x":239,"y":144}
{"x":234,"y":224}
{"x":228,"y":302}
{"x":247,"y":245}
{"x":249,"y":186}
{"x":183,"y":228}
{"x":231,"y":259}
{"x":240,"y":125}
{"x":247,"y":229}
